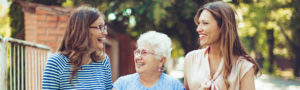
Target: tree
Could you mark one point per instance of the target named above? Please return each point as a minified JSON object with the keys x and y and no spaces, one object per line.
{"x":16,"y":21}
{"x":294,"y":42}
{"x":282,"y":16}
{"x":133,"y":17}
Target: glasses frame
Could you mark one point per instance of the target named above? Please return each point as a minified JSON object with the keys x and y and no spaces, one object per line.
{"x":101,"y":28}
{"x":143,"y":52}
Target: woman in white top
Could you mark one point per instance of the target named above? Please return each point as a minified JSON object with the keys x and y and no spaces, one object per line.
{"x":222,"y":63}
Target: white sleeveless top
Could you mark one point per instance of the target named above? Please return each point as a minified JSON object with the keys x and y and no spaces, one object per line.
{"x":197,"y":72}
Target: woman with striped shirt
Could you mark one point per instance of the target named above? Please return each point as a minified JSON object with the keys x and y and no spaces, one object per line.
{"x":81,"y":61}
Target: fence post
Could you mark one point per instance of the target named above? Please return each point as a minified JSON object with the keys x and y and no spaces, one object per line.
{"x":3,"y":62}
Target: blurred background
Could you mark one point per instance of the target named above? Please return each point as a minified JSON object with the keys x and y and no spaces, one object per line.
{"x":31,"y":30}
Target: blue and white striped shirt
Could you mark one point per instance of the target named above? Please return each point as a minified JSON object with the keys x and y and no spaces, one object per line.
{"x":132,"y":82}
{"x":96,"y":75}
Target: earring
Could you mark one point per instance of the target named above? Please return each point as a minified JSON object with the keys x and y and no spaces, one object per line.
{"x":159,"y":69}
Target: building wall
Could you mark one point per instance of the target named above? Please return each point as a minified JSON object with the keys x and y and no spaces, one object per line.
{"x":45,"y":28}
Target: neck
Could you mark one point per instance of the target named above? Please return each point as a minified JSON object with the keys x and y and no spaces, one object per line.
{"x":215,"y":51}
{"x":149,"y":80}
{"x":86,"y":58}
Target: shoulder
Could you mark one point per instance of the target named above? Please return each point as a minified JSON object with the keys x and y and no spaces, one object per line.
{"x":171,"y":79}
{"x":56,"y":63}
{"x":168,"y":78}
{"x":124,"y":81}
{"x":193,"y":54}
{"x":106,"y":61}
{"x":243,"y":61}
{"x":127,"y":78}
{"x":243,"y":65}
{"x":174,"y":82}
{"x":57,"y":58}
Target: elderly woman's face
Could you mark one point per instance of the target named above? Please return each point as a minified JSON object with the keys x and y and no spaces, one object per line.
{"x":145,"y":59}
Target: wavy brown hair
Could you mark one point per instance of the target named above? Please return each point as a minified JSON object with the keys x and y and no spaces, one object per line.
{"x":76,"y":43}
{"x":230,"y":43}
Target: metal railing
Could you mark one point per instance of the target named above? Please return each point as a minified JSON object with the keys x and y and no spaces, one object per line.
{"x":22,"y":64}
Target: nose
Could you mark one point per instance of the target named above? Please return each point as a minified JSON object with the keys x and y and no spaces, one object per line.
{"x":199,"y":28}
{"x":104,"y":33}
{"x":137,"y":57}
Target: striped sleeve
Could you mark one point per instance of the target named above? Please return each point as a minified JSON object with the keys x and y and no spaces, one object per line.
{"x":51,"y":74}
{"x":108,"y":80}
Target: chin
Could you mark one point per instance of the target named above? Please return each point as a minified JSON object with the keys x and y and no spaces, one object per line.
{"x":203,"y":45}
{"x":100,"y":47}
{"x":137,"y":70}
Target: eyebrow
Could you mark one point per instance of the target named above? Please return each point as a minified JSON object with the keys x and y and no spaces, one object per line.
{"x":205,"y":20}
{"x":101,"y":24}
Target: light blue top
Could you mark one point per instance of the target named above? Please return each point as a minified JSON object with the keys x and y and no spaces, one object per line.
{"x":96,"y":75}
{"x":132,"y":82}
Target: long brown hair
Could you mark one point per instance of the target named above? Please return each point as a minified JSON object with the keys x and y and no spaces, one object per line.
{"x":75,"y":43}
{"x":230,"y":43}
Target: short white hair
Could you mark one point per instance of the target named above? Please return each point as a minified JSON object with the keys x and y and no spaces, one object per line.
{"x":160,"y":43}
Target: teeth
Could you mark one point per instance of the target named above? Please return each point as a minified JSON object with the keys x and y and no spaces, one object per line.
{"x":201,"y":35}
{"x":140,"y":64}
{"x":101,"y":39}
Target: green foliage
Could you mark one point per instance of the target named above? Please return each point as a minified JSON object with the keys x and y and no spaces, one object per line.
{"x":16,"y":21}
{"x":4,"y":23}
{"x":295,"y":20}
{"x":255,"y":20}
{"x":283,"y":16}
{"x":173,"y":17}
{"x":68,"y":3}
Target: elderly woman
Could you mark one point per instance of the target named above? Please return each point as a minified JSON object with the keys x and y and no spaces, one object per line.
{"x":153,"y":49}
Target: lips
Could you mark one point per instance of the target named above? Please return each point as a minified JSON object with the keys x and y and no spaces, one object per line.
{"x":201,"y":36}
{"x":139,"y":64}
{"x":100,"y":40}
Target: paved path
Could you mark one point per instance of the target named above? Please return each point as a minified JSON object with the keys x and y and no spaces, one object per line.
{"x":266,"y":82}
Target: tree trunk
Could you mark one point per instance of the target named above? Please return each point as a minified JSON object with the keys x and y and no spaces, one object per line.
{"x":270,"y":39}
{"x":297,"y":63}
{"x":297,"y":66}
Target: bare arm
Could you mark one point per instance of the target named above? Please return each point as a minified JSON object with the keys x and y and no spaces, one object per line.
{"x":247,"y":82}
{"x":186,"y":86}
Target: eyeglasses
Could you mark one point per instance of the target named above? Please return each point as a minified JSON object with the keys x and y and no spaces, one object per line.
{"x":102,"y":28}
{"x":142,"y":52}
